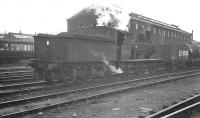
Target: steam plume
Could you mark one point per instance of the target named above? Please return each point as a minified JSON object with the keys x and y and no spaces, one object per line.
{"x":111,"y":16}
{"x":106,"y":62}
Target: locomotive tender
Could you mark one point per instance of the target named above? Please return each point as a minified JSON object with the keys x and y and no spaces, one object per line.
{"x":148,"y":45}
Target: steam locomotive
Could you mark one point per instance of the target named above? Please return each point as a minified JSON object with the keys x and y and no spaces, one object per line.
{"x":149,"y":45}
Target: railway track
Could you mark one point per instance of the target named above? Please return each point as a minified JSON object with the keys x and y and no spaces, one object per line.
{"x":24,"y":81}
{"x":15,"y":68}
{"x":22,"y":85}
{"x":16,"y":73}
{"x":18,"y":80}
{"x":14,"y":79}
{"x":13,"y":86}
{"x":182,"y":109}
{"x":28,"y":88}
{"x":43,"y":102}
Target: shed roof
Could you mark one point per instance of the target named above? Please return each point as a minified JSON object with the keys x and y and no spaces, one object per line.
{"x":156,"y":22}
{"x":21,"y":36}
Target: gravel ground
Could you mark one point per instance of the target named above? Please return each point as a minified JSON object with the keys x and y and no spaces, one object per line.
{"x":127,"y":105}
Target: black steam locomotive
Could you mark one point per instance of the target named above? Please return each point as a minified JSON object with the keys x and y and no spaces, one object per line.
{"x":149,"y":45}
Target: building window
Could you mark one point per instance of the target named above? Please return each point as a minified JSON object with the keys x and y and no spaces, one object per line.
{"x":168,"y":33}
{"x":172,"y":34}
{"x":154,"y":30}
{"x":136,"y":26}
{"x":163,"y":32}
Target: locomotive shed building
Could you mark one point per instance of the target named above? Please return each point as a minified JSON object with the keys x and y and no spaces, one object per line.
{"x":140,"y":28}
{"x":144,"y":28}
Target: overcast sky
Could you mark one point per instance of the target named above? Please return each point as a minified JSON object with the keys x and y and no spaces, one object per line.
{"x":49,"y":16}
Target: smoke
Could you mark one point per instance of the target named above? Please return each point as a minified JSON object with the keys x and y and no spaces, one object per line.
{"x":111,"y":16}
{"x":111,"y":67}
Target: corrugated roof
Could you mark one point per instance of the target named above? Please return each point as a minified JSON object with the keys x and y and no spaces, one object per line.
{"x":16,"y":37}
{"x":21,"y":36}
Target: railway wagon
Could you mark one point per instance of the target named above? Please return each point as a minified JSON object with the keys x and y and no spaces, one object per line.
{"x":71,"y":57}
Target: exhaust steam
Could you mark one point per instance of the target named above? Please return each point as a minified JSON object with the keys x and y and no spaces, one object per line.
{"x":110,"y":15}
{"x":111,"y":67}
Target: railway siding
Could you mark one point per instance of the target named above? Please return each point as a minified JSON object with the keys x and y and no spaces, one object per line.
{"x":137,"y":104}
{"x":102,"y":93}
